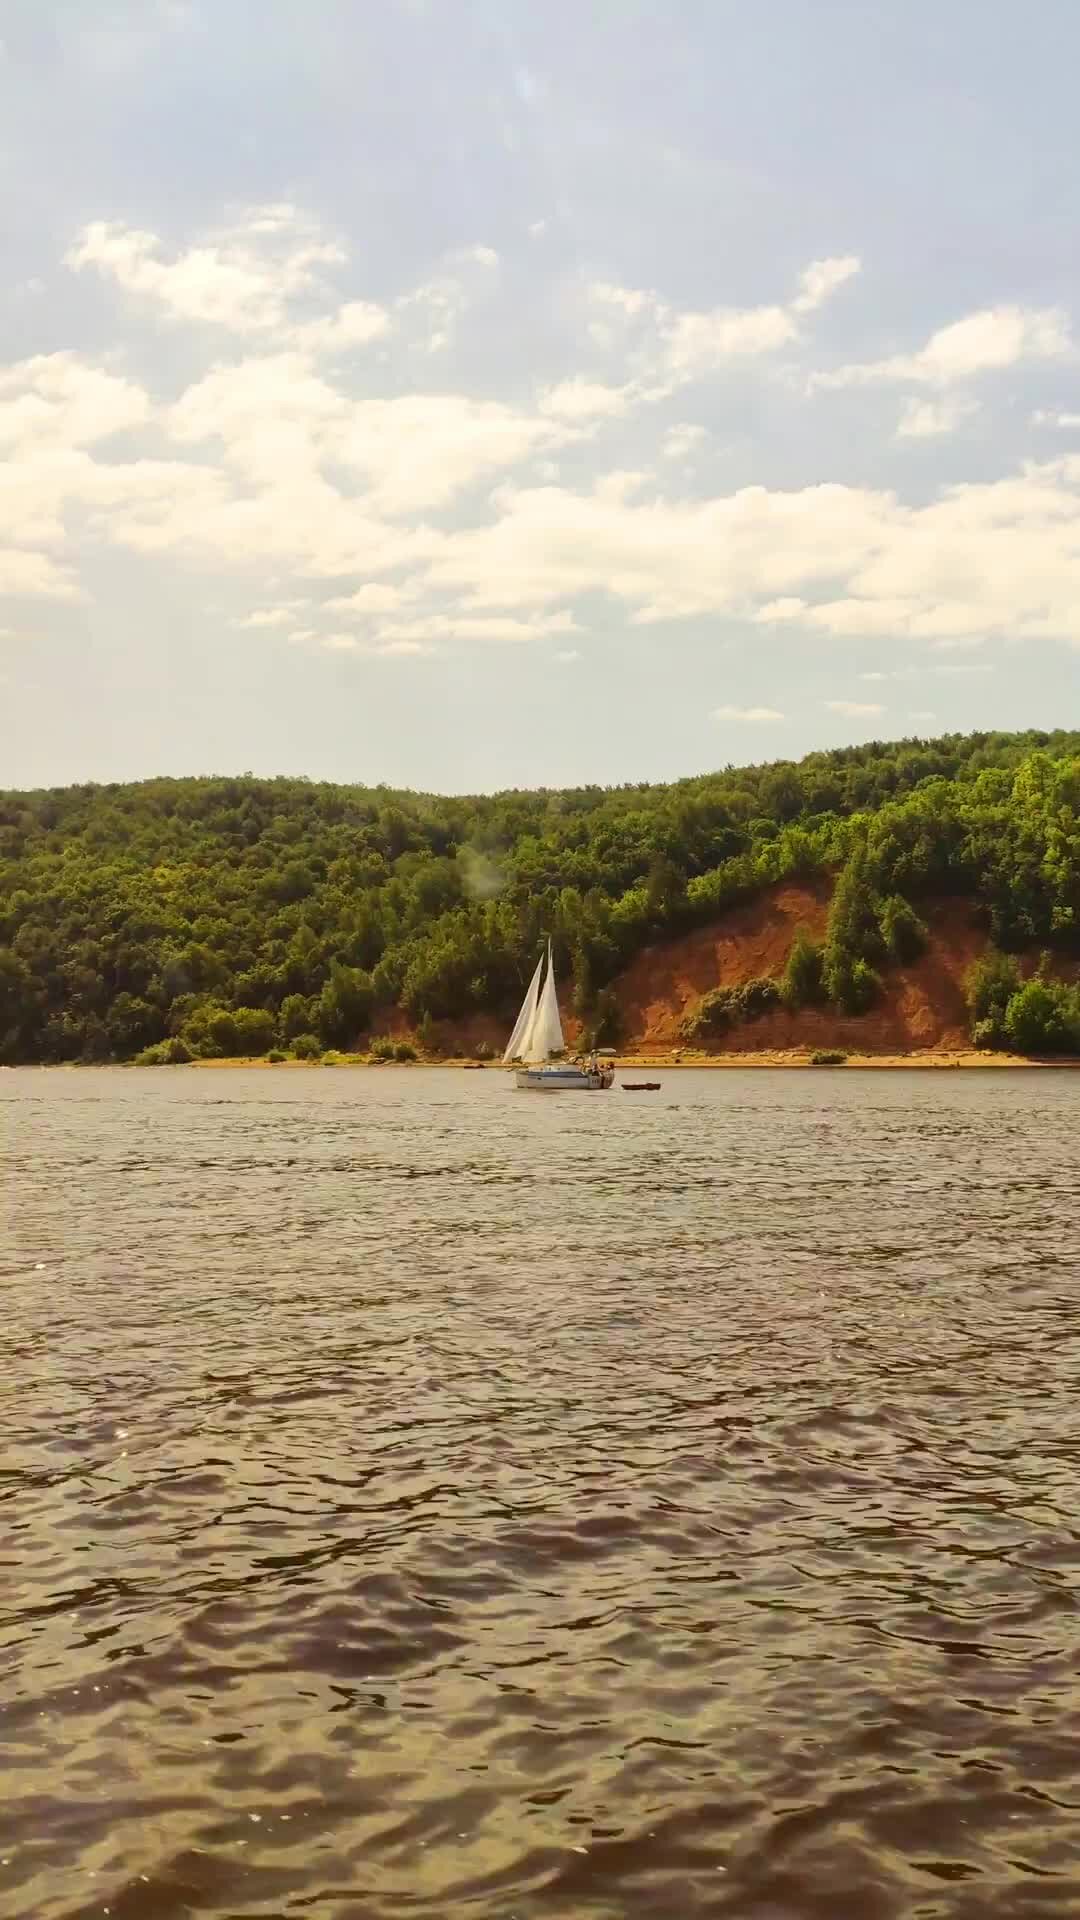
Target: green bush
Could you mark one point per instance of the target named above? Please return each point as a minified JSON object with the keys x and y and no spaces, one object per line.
{"x":403,"y":1051}
{"x":382,"y":1047}
{"x":1044,"y":1017}
{"x":851,"y":983}
{"x":989,"y":986}
{"x":827,"y":1057}
{"x":299,"y":1014}
{"x":306,"y":1046}
{"x":256,"y":1030}
{"x":801,"y":983}
{"x":275,"y":1056}
{"x":725,"y":1007}
{"x":166,"y":1053}
{"x":902,"y":931}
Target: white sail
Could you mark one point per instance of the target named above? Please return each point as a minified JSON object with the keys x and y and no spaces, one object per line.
{"x":545,"y":1034}
{"x":515,"y":1048}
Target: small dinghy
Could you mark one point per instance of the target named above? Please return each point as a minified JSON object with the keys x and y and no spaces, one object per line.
{"x":641,"y":1086}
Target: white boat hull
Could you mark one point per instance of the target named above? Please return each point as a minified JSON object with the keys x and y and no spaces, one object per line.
{"x":562,"y":1080}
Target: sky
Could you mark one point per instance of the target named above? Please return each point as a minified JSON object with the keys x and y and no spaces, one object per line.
{"x":465,"y":394}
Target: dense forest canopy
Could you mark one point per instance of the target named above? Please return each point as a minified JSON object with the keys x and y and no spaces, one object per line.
{"x":237,"y":915}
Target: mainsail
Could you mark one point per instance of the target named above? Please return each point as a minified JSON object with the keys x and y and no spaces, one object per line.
{"x":515,"y":1049}
{"x":538,"y":1032}
{"x":546,"y":1034}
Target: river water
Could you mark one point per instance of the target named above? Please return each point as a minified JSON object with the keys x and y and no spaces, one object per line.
{"x":421,"y":1499}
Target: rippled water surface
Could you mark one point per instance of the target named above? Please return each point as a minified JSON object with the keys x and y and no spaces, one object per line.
{"x":422,"y":1499}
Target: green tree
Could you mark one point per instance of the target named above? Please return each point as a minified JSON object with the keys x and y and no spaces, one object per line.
{"x":1044,"y":1017}
{"x":902,"y":932}
{"x":801,"y":984}
{"x":990,"y":984}
{"x":345,"y":1005}
{"x":255,"y":1029}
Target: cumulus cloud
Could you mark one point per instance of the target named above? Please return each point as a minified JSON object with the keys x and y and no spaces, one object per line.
{"x":244,"y":279}
{"x":277,"y":461}
{"x":982,"y":342}
{"x":469,"y":626}
{"x":435,"y":307}
{"x":1000,"y":557}
{"x":753,"y":716}
{"x":28,"y":574}
{"x":821,"y":279}
{"x":374,"y":597}
{"x":353,"y":325}
{"x":669,"y":346}
{"x":60,"y":400}
{"x":1044,"y":418}
{"x":681,"y":440}
{"x":929,"y":419}
{"x":855,"y":709}
{"x":279,"y":420}
{"x":266,"y":617}
{"x":581,"y":399}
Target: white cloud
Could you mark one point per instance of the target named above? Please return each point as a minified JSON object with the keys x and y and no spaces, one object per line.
{"x":266,"y":617}
{"x":922,"y":713}
{"x":821,"y":279}
{"x":353,"y":325}
{"x":35,"y":575}
{"x":243,"y":279}
{"x":753,"y":716}
{"x":983,"y":559}
{"x":1043,"y":418}
{"x":59,"y":400}
{"x":929,"y":419}
{"x":664,"y":559}
{"x":439,"y":302}
{"x":669,"y":347}
{"x":287,"y":468}
{"x":854,"y":709}
{"x":566,"y":656}
{"x":697,"y":343}
{"x":374,"y":597}
{"x":279,"y":422}
{"x":980,"y":343}
{"x":467,"y":626}
{"x":924,"y":667}
{"x":420,"y":450}
{"x":581,"y":399}
{"x":681,"y":440}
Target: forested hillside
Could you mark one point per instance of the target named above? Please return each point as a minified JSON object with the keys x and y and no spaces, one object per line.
{"x":222,"y":916}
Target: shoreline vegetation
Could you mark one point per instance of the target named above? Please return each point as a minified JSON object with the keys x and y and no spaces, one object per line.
{"x":901,"y":901}
{"x":793,"y":1057}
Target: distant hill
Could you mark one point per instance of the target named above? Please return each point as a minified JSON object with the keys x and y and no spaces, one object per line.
{"x":233,"y":916}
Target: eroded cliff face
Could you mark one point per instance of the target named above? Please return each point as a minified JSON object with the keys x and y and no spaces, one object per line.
{"x":921,"y":1006}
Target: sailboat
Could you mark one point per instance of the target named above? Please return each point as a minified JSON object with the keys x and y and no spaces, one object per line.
{"x":538,"y":1036}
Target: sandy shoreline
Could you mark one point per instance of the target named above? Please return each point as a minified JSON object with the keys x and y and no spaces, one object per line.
{"x":667,"y":1063}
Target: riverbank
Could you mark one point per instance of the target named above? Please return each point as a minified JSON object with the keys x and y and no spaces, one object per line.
{"x":670,"y":1063}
